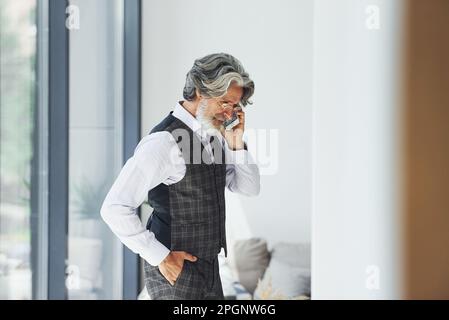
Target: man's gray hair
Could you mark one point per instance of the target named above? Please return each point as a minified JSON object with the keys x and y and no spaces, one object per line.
{"x":213,"y":74}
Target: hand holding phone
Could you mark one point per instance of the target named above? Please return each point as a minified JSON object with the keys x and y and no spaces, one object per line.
{"x":231,"y":123}
{"x":233,"y":129}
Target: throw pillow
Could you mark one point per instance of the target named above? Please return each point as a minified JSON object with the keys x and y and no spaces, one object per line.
{"x":283,"y":282}
{"x":251,"y":258}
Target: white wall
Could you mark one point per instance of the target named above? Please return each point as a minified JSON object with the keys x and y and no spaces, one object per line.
{"x":355,"y":201}
{"x":274,"y":42}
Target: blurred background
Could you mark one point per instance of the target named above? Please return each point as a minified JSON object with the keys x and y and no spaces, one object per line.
{"x":349,"y":126}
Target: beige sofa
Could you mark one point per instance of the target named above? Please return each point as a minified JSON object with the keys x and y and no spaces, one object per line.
{"x":255,"y":272}
{"x":252,"y":271}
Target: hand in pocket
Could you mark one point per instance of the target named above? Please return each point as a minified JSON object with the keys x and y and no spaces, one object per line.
{"x":172,"y":265}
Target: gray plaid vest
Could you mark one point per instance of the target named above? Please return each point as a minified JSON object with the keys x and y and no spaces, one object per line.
{"x":190,"y":215}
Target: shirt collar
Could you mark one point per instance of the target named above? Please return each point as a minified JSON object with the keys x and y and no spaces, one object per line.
{"x":185,"y":116}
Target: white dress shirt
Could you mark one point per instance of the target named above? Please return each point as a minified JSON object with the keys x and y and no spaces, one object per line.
{"x":158,"y":159}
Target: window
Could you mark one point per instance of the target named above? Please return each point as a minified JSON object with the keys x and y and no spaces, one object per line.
{"x":22,"y":149}
{"x":95,"y":147}
{"x":64,"y":131}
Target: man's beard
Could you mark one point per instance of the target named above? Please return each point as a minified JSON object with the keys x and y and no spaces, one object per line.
{"x":206,"y":122}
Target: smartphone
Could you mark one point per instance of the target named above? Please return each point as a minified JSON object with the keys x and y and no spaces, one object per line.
{"x":231,"y":123}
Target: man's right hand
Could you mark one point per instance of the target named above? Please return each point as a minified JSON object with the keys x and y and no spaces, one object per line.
{"x":172,"y":265}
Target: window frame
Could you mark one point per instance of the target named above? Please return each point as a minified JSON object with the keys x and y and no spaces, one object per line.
{"x":132,"y":126}
{"x":52,"y":231}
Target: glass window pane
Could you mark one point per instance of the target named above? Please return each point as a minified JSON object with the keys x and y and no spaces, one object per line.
{"x":22,"y":166}
{"x":95,"y":152}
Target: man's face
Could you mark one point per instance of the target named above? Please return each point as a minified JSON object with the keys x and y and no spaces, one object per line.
{"x":220,"y":109}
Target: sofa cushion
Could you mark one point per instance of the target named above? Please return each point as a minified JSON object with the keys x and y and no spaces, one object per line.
{"x":283,"y":281}
{"x":292,"y":254}
{"x":251,"y":258}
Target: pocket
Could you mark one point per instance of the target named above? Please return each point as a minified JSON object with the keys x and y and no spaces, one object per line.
{"x":180,"y":275}
{"x":183,"y":269}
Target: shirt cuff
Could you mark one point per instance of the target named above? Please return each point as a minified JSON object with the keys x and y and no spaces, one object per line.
{"x":156,"y":253}
{"x":237,"y":157}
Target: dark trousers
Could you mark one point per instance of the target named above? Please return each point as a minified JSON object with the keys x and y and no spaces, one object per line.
{"x":199,"y":280}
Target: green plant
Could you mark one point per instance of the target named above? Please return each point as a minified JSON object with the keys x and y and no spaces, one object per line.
{"x":89,"y":198}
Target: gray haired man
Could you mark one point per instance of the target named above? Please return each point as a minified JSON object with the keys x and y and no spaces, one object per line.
{"x":184,"y":166}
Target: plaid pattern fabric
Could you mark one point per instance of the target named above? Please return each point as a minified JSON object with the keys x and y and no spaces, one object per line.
{"x":190,"y":216}
{"x":194,"y":210}
{"x":198,"y":280}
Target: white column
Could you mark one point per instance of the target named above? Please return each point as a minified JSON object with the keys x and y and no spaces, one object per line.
{"x":355,"y":234}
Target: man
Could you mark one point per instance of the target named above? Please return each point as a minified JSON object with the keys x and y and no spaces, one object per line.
{"x":184,"y":166}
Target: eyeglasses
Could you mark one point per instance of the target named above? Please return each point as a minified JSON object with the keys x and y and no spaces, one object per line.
{"x":227,"y":107}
